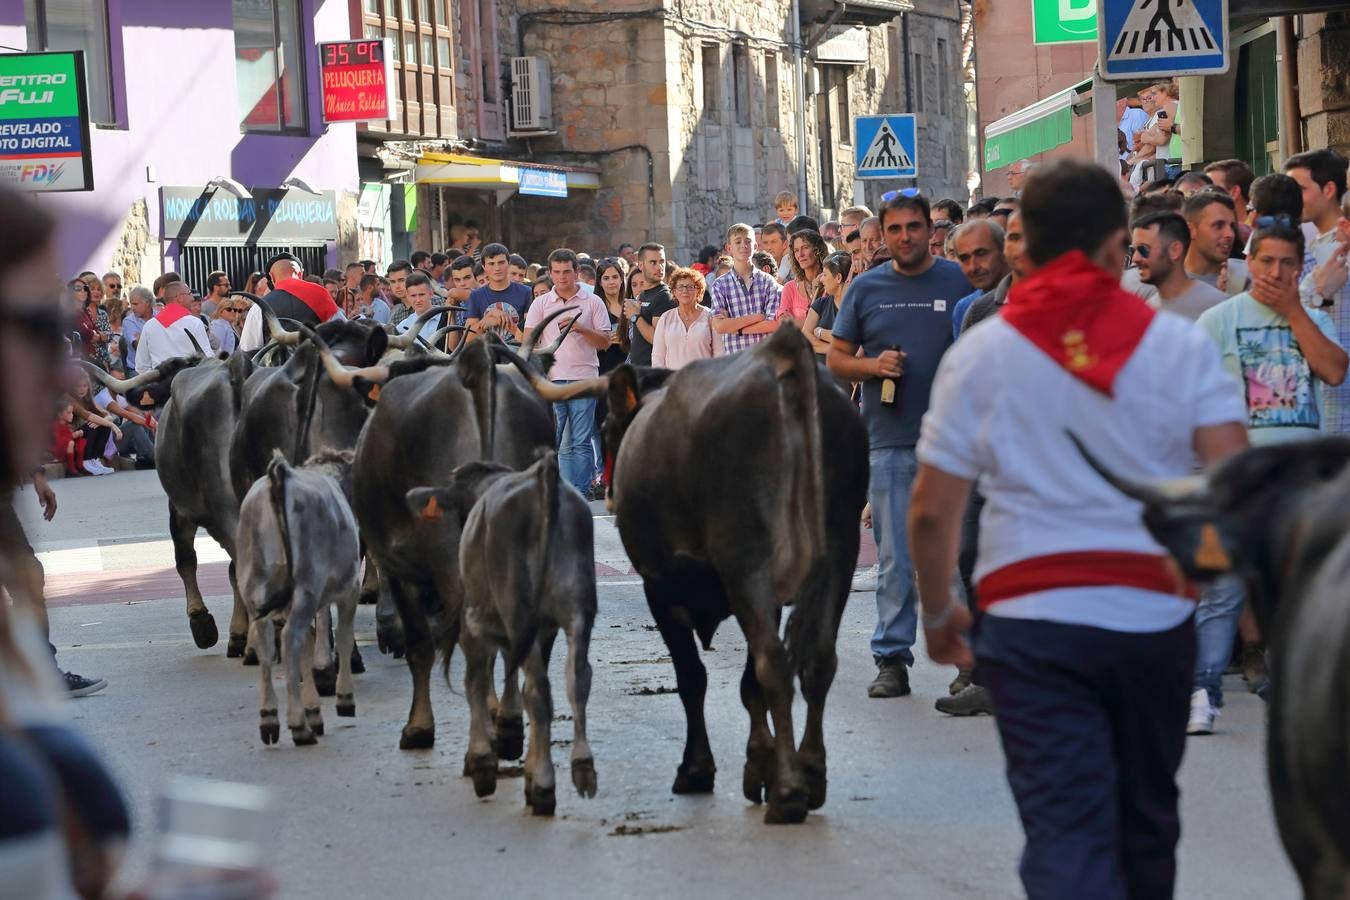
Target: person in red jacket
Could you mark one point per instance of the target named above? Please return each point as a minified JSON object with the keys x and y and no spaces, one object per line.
{"x":68,"y":442}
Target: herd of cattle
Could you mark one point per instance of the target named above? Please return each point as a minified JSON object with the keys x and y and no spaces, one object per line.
{"x":341,"y":445}
{"x":346,"y":445}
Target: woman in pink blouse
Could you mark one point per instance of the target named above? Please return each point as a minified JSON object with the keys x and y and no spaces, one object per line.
{"x":808,"y":251}
{"x":685,"y":333}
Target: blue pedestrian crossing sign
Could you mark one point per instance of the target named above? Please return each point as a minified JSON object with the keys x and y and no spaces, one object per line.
{"x":1141,"y":39}
{"x":885,"y":146}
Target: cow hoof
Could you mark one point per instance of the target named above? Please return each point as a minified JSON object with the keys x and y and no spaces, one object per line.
{"x":325,"y":681}
{"x":752,"y":783}
{"x":417,"y":738}
{"x":510,"y":739}
{"x":203,"y":627}
{"x":389,"y":637}
{"x":542,"y":801}
{"x":785,"y":813}
{"x":269,"y":728}
{"x":234,"y":647}
{"x":786,"y":806}
{"x":482,"y":767}
{"x":250,"y":656}
{"x":583,"y":777}
{"x":816,"y":783}
{"x":314,"y":719}
{"x":303,"y":737}
{"x":358,"y":664}
{"x":346,"y":706}
{"x":693,"y":781}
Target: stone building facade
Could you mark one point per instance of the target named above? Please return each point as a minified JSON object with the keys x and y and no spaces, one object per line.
{"x":689,"y":110}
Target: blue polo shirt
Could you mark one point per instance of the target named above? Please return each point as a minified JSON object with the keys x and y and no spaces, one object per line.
{"x":884,"y":309}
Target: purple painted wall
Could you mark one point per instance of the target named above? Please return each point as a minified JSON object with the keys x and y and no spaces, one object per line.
{"x":174,"y":77}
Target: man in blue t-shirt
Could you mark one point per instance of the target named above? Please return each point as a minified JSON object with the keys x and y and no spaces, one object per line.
{"x":901,"y":316}
{"x":500,"y":304}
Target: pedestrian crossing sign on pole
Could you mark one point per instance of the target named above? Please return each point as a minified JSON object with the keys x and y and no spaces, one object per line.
{"x":1141,"y":39}
{"x":885,"y":146}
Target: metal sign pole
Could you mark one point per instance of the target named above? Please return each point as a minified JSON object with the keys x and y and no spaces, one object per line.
{"x":1104,"y":125}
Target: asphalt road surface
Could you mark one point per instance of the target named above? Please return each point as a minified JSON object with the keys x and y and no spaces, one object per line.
{"x":918,"y":805}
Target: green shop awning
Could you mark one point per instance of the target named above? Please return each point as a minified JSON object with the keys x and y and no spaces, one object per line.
{"x":1042,"y":126}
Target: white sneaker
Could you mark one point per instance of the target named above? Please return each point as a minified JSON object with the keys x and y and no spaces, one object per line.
{"x":1202,"y":714}
{"x":866,"y":580}
{"x":104,"y":468}
{"x":91,"y":466}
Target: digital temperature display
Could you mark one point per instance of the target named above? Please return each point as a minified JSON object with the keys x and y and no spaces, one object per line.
{"x":358,"y":80}
{"x":353,"y":53}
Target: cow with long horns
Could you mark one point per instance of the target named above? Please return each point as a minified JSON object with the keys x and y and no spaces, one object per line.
{"x":434,"y":414}
{"x":746,"y":533}
{"x":1276,"y":516}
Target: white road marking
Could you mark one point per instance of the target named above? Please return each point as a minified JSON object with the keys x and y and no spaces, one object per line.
{"x":155,"y":551}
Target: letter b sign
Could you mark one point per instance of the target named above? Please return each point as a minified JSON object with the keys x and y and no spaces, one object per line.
{"x":1064,"y":21}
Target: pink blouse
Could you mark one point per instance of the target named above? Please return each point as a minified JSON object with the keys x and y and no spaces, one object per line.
{"x":674,"y":345}
{"x":795,"y":302}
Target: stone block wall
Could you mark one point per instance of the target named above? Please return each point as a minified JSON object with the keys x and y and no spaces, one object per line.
{"x":1324,"y":80}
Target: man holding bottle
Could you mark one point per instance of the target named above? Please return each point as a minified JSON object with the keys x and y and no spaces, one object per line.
{"x":901,"y":316}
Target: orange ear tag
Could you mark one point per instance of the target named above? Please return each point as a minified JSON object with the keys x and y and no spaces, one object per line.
{"x":432,"y":510}
{"x":374,"y":393}
{"x":1210,"y":554}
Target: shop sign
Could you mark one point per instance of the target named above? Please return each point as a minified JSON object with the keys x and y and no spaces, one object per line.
{"x":272,"y":215}
{"x":357,"y":79}
{"x":44,"y":122}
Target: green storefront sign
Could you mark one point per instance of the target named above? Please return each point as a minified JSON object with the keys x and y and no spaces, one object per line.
{"x":1063,"y":21}
{"x":44,"y":122}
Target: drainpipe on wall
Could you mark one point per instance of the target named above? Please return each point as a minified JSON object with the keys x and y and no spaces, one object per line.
{"x":904,"y":50}
{"x":1286,"y":49}
{"x":800,"y":65}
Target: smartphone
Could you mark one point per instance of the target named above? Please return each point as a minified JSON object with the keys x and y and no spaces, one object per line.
{"x":1162,"y":113}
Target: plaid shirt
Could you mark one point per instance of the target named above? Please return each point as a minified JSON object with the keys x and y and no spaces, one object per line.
{"x":1335,"y":400}
{"x":731,"y":298}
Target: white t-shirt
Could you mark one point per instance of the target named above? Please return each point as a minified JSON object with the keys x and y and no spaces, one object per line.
{"x":159,"y":343}
{"x":1000,"y":413}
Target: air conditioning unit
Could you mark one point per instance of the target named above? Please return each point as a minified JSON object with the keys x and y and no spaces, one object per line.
{"x":531,"y":94}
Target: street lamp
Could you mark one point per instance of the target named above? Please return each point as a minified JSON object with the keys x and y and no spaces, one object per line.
{"x":299,"y":184}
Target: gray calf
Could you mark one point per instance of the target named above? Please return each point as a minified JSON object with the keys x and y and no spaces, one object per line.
{"x":528,"y":568}
{"x":298,"y":551}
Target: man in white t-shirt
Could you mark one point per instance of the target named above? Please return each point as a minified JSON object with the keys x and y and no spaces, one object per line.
{"x":172,"y":331}
{"x":1087,"y":641}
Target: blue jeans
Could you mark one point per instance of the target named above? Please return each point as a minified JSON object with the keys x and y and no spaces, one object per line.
{"x":574,"y":421}
{"x":893,"y":472}
{"x":1216,"y":622}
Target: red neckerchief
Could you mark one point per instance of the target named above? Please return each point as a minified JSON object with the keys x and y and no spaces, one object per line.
{"x":315,"y":296}
{"x":1079,"y":316}
{"x":171,"y":313}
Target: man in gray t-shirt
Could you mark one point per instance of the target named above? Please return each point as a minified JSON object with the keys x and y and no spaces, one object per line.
{"x":1161,"y":240}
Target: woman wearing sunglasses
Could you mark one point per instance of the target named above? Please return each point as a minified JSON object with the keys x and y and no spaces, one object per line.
{"x":225,"y":325}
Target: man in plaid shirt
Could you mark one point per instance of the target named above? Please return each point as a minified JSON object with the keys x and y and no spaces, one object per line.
{"x":744,"y":300}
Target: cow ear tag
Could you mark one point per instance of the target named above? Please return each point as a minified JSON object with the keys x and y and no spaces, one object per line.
{"x":374,"y":394}
{"x":1210,"y":554}
{"x":432,"y":510}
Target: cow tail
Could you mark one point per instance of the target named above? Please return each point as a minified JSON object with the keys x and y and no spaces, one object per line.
{"x":309,"y":389}
{"x":547,"y":491}
{"x":799,"y":399}
{"x":278,"y":472}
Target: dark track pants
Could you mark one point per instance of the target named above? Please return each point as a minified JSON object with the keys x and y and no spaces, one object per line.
{"x":1093,"y":725}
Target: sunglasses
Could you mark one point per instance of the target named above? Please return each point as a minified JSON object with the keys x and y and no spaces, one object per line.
{"x":1267,"y":221}
{"x":1144,"y":251}
{"x":113,"y":287}
{"x":909,"y":192}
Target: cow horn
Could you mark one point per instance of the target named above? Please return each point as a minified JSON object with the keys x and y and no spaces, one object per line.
{"x":119,"y":385}
{"x":1162,"y":491}
{"x":439,"y":336}
{"x":554,"y":393}
{"x":532,"y":339}
{"x":342,"y":376}
{"x":407,"y":338}
{"x":201,"y":354}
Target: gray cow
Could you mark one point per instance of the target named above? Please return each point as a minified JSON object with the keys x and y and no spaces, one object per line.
{"x":298,"y":551}
{"x":527,"y":564}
